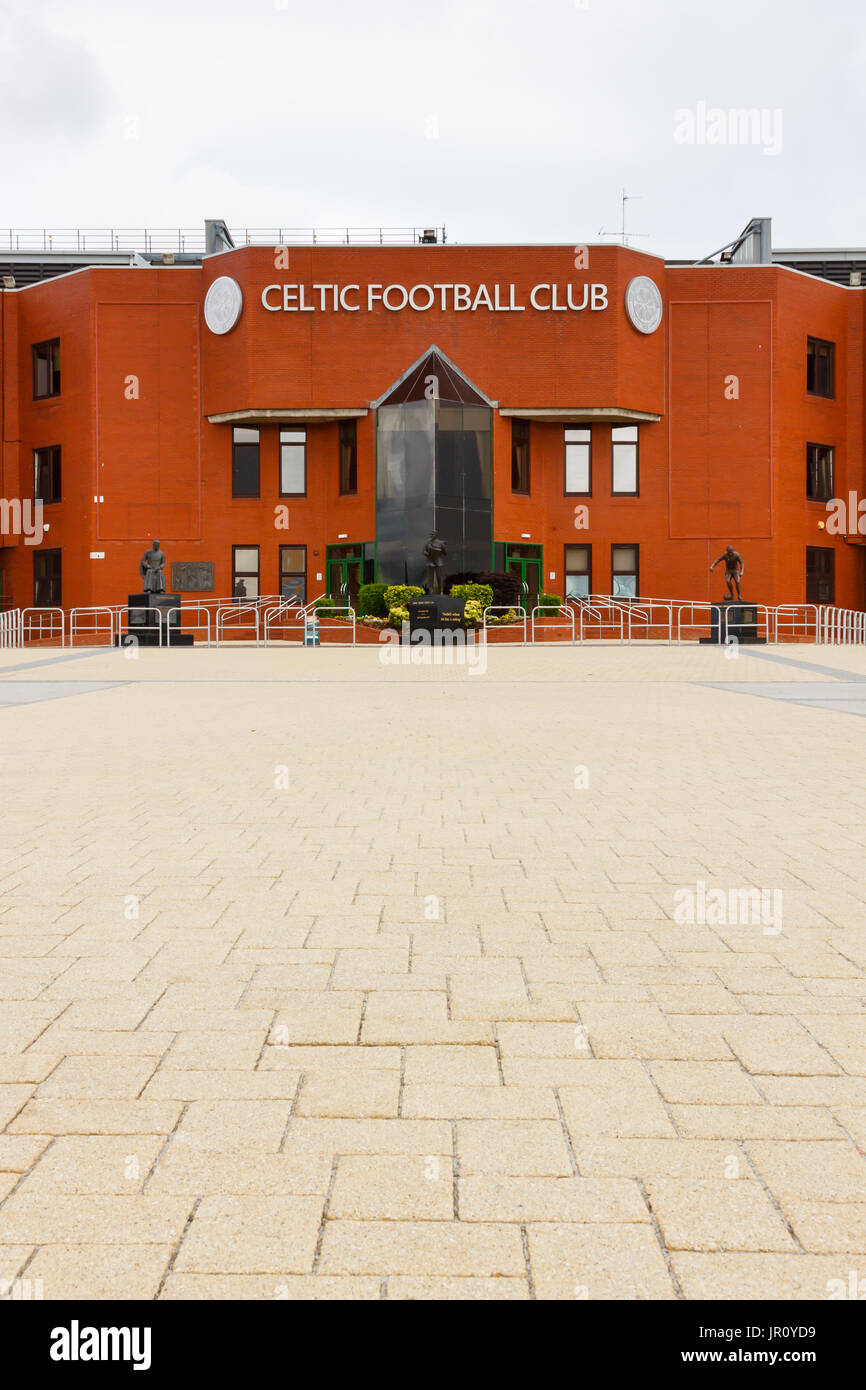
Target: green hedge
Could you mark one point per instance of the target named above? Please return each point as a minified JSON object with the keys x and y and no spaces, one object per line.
{"x":371,"y":601}
{"x":327,"y":601}
{"x":398,"y":595}
{"x":549,"y":601}
{"x":480,"y":593}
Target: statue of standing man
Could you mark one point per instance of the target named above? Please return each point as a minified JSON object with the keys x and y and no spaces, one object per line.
{"x":152,"y":569}
{"x":734,"y":569}
{"x":434,"y":553}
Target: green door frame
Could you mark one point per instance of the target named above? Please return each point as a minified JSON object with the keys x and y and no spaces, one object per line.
{"x":524,"y":561}
{"x":338,"y":559}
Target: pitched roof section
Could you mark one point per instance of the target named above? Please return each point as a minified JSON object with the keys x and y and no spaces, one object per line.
{"x":453,"y":385}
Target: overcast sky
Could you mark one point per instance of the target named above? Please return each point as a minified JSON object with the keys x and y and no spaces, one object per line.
{"x":508,"y":121}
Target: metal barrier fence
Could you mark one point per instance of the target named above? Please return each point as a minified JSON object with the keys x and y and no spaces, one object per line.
{"x":516,"y":608}
{"x":89,"y":622}
{"x":842,"y":626}
{"x":565,"y":608}
{"x":51,"y":625}
{"x":10,"y":628}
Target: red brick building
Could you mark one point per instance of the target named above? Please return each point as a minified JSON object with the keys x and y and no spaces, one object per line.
{"x":593,"y":417}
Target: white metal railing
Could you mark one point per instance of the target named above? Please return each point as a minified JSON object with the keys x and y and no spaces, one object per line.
{"x":704,"y":622}
{"x":796,"y":620}
{"x":603,"y":611}
{"x":842,"y":626}
{"x":51,"y":625}
{"x":238,"y":610}
{"x":516,"y":608}
{"x":279,"y":613}
{"x":121,"y":240}
{"x":548,"y":610}
{"x":88,"y":622}
{"x":10,"y":628}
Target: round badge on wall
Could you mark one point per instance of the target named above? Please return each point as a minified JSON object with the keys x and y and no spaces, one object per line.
{"x":643,"y":304}
{"x":222,"y":304}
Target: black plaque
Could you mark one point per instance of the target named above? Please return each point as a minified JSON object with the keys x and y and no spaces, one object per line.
{"x":192,"y":576}
{"x":436,"y":613}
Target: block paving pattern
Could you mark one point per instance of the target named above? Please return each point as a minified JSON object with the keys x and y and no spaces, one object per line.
{"x":326,"y":980}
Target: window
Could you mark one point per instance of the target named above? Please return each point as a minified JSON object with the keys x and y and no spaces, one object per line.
{"x":348,"y":456}
{"x":819,"y":472}
{"x":293,"y":463}
{"x":578,"y":571}
{"x":578,"y":461}
{"x":293,"y":572}
{"x":46,"y":369}
{"x":624,"y":460}
{"x":245,"y":462}
{"x":520,"y":456}
{"x":245,"y":571}
{"x":820,"y":574}
{"x":46,"y":579}
{"x":46,"y":474}
{"x":820,"y":367}
{"x":624,"y":571}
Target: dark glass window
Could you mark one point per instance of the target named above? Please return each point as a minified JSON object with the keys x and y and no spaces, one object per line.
{"x":245,"y":462}
{"x":820,"y":574}
{"x":624,"y":475}
{"x":624,"y":571}
{"x":293,"y":463}
{"x":46,"y":473}
{"x":46,"y":369}
{"x":348,"y":456}
{"x":520,"y":456}
{"x":293,"y":572}
{"x":245,"y":571}
{"x":820,"y":367}
{"x":578,"y":461}
{"x":47,"y":589}
{"x":578,"y":571}
{"x":819,"y":472}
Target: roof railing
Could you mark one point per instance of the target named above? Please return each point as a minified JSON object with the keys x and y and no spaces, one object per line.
{"x":119,"y":241}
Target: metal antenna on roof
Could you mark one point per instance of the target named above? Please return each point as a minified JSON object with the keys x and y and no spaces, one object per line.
{"x":622,"y":234}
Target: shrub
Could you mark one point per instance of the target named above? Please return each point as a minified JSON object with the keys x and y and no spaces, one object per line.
{"x":327,"y":601}
{"x":506,"y":587}
{"x":548,"y":602}
{"x":481,"y":594}
{"x":398,"y":615}
{"x":473,"y":610}
{"x":371,"y":601}
{"x":398,"y":595}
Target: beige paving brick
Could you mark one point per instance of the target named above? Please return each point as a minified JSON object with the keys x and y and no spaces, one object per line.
{"x":19,"y":1151}
{"x":116,"y":1164}
{"x":435,"y":1248}
{"x":716,"y":1215}
{"x":384,"y":1187}
{"x":451,"y":1066}
{"x":755,"y":1122}
{"x":478,"y":1102}
{"x":674,"y":1158}
{"x":763,"y":1277}
{"x":824,"y":1228}
{"x":498,"y":1198}
{"x":103,"y":1272}
{"x":88,"y":1219}
{"x":97,"y":1117}
{"x":704,"y":1083}
{"x":522,"y":1148}
{"x":778,"y":1048}
{"x":260,"y":1235}
{"x":232,"y":1125}
{"x":829,"y":1172}
{"x":622,"y":1113}
{"x":281,"y":1287}
{"x":173,"y":1083}
{"x":185,"y":1168}
{"x":597,"y":1262}
{"x":401,"y":1286}
{"x":373,"y":1093}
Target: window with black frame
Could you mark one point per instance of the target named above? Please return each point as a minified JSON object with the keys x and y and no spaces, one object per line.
{"x":578,"y":461}
{"x":245,"y":462}
{"x":47,"y":579}
{"x":520,"y":456}
{"x":348,"y":457}
{"x":46,"y":369}
{"x":245,"y":571}
{"x":820,"y":367}
{"x":624,"y":460}
{"x":293,"y":463}
{"x":46,"y":474}
{"x":624,"y":571}
{"x":293,"y":573}
{"x":820,"y":574}
{"x":819,"y":472}
{"x":578,"y":571}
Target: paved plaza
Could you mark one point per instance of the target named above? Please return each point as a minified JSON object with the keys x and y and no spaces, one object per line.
{"x":325,"y":978}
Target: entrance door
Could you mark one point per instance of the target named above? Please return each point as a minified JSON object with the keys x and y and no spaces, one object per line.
{"x":525,"y":562}
{"x":345,"y":573}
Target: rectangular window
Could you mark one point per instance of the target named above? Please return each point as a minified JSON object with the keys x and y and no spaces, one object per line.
{"x":46,"y":369}
{"x":624,"y":476}
{"x":47,"y":589}
{"x":245,"y":571}
{"x":578,"y":461}
{"x":624,"y":571}
{"x":578,"y":571}
{"x":820,"y":367}
{"x":293,"y":572}
{"x":820,"y":574}
{"x":348,"y":456}
{"x":520,"y":456}
{"x":293,"y":463}
{"x":819,"y":472}
{"x":245,"y":462}
{"x":46,"y":474}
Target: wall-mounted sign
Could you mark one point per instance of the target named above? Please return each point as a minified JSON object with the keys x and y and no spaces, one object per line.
{"x":496,"y":298}
{"x":192,"y":576}
{"x":222,"y":304}
{"x":643,"y":304}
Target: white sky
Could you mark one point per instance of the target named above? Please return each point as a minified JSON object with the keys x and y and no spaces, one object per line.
{"x":509,"y":121}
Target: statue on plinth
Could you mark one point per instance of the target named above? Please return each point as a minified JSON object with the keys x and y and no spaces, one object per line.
{"x":152,"y":570}
{"x":434,"y":553}
{"x":734,"y":570}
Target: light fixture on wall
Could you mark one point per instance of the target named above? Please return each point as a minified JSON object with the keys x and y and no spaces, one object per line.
{"x":8,"y":282}
{"x":526,"y":536}
{"x":343,"y":536}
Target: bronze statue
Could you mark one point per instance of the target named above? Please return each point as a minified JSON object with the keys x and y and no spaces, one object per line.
{"x":434,"y":553}
{"x":734,"y":569}
{"x":152,"y":569}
